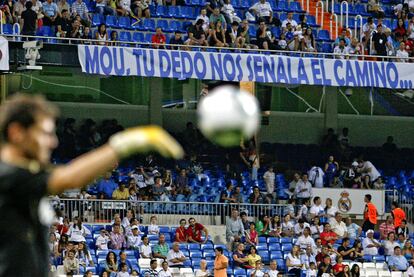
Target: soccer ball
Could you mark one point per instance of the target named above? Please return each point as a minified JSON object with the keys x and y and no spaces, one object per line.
{"x":227,"y":115}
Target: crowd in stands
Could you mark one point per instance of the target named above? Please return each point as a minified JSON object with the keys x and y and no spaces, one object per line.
{"x":262,"y":24}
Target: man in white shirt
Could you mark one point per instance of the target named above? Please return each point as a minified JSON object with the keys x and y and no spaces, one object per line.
{"x":102,"y":240}
{"x":205,"y":18}
{"x":257,"y":272}
{"x":273,"y":269}
{"x":316,"y":176}
{"x":370,"y":245}
{"x":367,"y":168}
{"x":269,"y":179}
{"x":316,"y":209}
{"x":338,"y":226}
{"x":290,"y":20}
{"x":175,"y":257}
{"x":341,"y":51}
{"x":300,"y":227}
{"x":165,"y":271}
{"x":303,"y":189}
{"x":263,"y":11}
{"x":134,"y":240}
{"x":305,"y":240}
{"x":145,"y":250}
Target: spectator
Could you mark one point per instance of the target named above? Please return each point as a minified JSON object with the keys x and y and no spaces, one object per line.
{"x":390,"y":244}
{"x":257,"y":271}
{"x":273,"y":272}
{"x":239,"y":257}
{"x":243,"y":33}
{"x":106,"y":185}
{"x":308,"y":41}
{"x":145,"y":249}
{"x":398,"y":214}
{"x":50,"y":12}
{"x":303,"y":212}
{"x":124,"y":270}
{"x":338,"y":226}
{"x":290,"y":208}
{"x":111,"y":264}
{"x":325,"y":267}
{"x":181,"y":232}
{"x":176,"y":40}
{"x":121,"y":193}
{"x":324,"y":252}
{"x":402,"y":239}
{"x":6,"y":9}
{"x":217,"y":36}
{"x":123,"y":260}
{"x":237,"y":195}
{"x":159,"y":192}
{"x":215,"y":17}
{"x":305,"y":240}
{"x":220,"y":263}
{"x":77,"y":231}
{"x":370,"y":245}
{"x":175,"y":257}
{"x":19,"y":7}
{"x":63,"y":5}
{"x":338,"y":268}
{"x":265,"y":39}
{"x":379,"y":184}
{"x":233,"y":37}
{"x":114,"y":39}
{"x":234,"y":228}
{"x":102,"y":240}
{"x":300,"y":226}
{"x":353,"y":230}
{"x":206,"y":20}
{"x":117,"y":238}
{"x":182,"y":183}
{"x":79,"y":8}
{"x":229,"y":13}
{"x":379,"y":40}
{"x":203,"y":271}
{"x":153,"y":228}
{"x":141,"y":8}
{"x":303,"y":21}
{"x":134,"y":240}
{"x":402,"y":54}
{"x":165,"y":271}
{"x":398,"y":262}
{"x":303,"y":189}
{"x":386,"y":227}
{"x":195,"y":230}
{"x":269,"y":179}
{"x":103,"y":8}
{"x":161,"y":249}
{"x":152,"y":271}
{"x":307,"y":257}
{"x":316,"y":176}
{"x":257,"y":197}
{"x":71,"y":264}
{"x":347,"y":252}
{"x":263,"y":225}
{"x":252,"y":237}
{"x":123,"y":7}
{"x":331,"y":170}
{"x":226,"y":195}
{"x":389,"y":146}
{"x":293,"y":262}
{"x":263,"y":12}
{"x":312,"y":272}
{"x":29,"y":20}
{"x":375,"y":9}
{"x":328,"y":237}
{"x":294,"y":182}
{"x":87,"y":35}
{"x":408,"y":249}
{"x":402,"y":229}
{"x":245,"y":221}
{"x":158,"y":39}
{"x":289,"y":20}
{"x":253,"y":257}
{"x":213,"y":4}
{"x":343,"y":36}
{"x":370,"y":214}
{"x":316,"y":209}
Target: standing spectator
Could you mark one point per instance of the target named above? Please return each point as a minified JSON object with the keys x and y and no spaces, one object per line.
{"x":103,"y":8}
{"x":220,"y":263}
{"x":390,"y":244}
{"x":316,"y":176}
{"x":195,"y":230}
{"x":121,"y":193}
{"x":370,"y":245}
{"x":289,"y":20}
{"x":63,"y":5}
{"x":79,"y":8}
{"x":102,"y":240}
{"x":398,"y":262}
{"x":77,"y":231}
{"x":386,"y":227}
{"x":29,"y":20}
{"x":293,"y":262}
{"x":182,"y":183}
{"x":71,"y":264}
{"x":106,"y":185}
{"x":206,"y":20}
{"x":215,"y":17}
{"x":145,"y":249}
{"x":50,"y":12}
{"x":134,"y":240}
{"x":370,"y":214}
{"x":397,"y":213}
{"x":175,"y":257}
{"x":338,"y":226}
{"x":117,"y":238}
{"x":379,"y":40}
{"x":307,"y":257}
{"x":328,"y":237}
{"x":263,"y":11}
{"x":353,"y":230}
{"x":294,"y":182}
{"x":269,"y":179}
{"x":303,"y":189}
{"x":158,"y":39}
{"x":181,"y":232}
{"x":19,"y":7}
{"x":229,"y":13}
{"x":305,"y":240}
{"x":234,"y":228}
{"x":161,"y":249}
{"x":331,"y":170}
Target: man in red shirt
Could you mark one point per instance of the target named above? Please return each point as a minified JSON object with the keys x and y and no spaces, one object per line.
{"x":327,"y":236}
{"x":158,"y":38}
{"x":181,"y":232}
{"x":194,"y":231}
{"x":398,"y":214}
{"x":387,"y":227}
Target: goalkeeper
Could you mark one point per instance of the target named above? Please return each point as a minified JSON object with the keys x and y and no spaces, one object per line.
{"x":27,"y":133}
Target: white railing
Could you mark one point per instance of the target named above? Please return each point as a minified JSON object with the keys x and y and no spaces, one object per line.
{"x":358,"y":17}
{"x":334,"y":17}
{"x":16,"y":31}
{"x":1,"y":22}
{"x":320,"y":3}
{"x":344,"y":3}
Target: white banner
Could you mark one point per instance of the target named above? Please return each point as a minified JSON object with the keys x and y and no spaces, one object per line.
{"x":262,"y":68}
{"x":351,"y":201}
{"x":4,"y":54}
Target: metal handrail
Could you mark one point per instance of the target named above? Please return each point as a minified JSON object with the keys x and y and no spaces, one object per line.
{"x":360,"y":26}
{"x":320,"y":3}
{"x":16,"y":26}
{"x":346,"y":13}
{"x":334,"y":17}
{"x":134,"y":44}
{"x":1,"y":22}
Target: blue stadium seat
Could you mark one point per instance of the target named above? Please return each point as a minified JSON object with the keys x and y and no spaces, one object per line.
{"x":125,"y":36}
{"x":176,"y":26}
{"x":239,"y":271}
{"x":209,"y":254}
{"x":285,"y":240}
{"x":272,"y":240}
{"x":276,"y":255}
{"x":281,"y":6}
{"x":111,"y":21}
{"x":97,"y":19}
{"x":295,"y":7}
{"x":163,"y":24}
{"x":162,"y":11}
{"x":124,"y":22}
{"x":148,"y":38}
{"x":286,"y":247}
{"x":196,"y":254}
{"x":324,"y":35}
{"x":193,"y":246}
{"x":149,"y":24}
{"x":274,"y":247}
{"x":265,"y":256}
